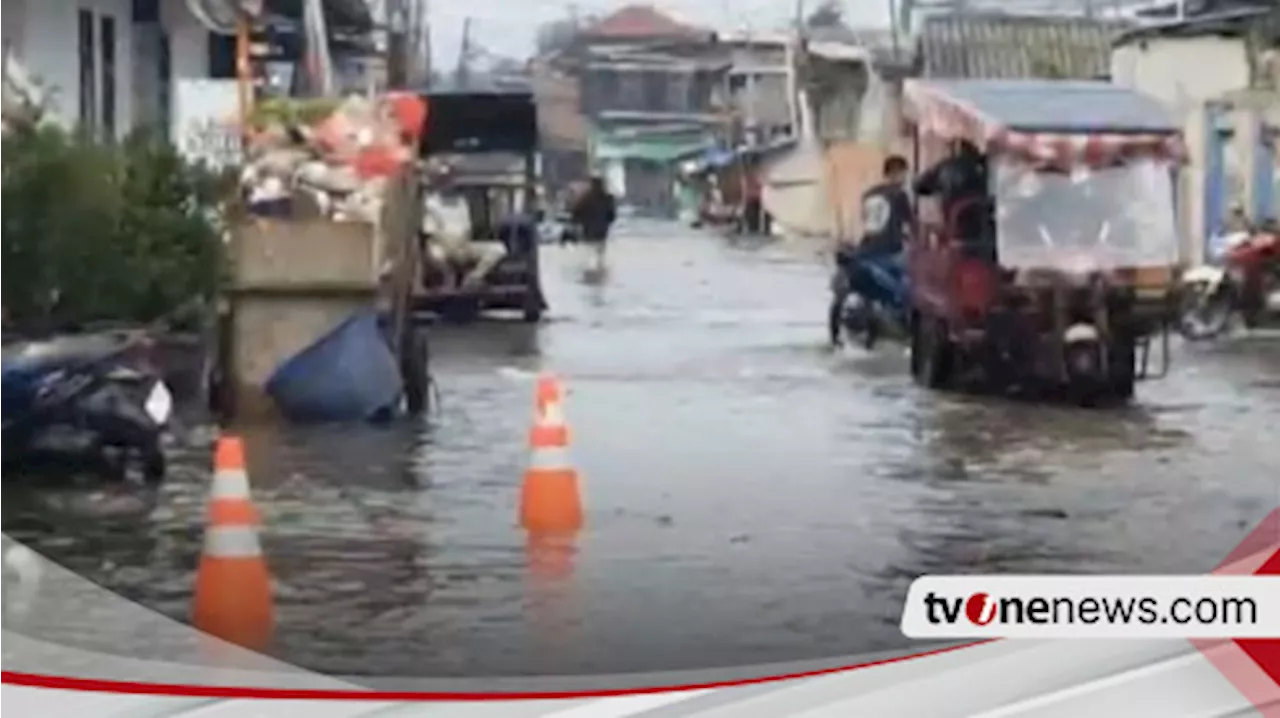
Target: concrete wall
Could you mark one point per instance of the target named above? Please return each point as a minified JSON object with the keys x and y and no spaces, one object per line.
{"x":760,"y":82}
{"x":1182,"y":72}
{"x":48,"y":42}
{"x":188,"y":41}
{"x":1185,"y":74}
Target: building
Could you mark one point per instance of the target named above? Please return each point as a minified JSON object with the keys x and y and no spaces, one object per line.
{"x":563,"y":132}
{"x":847,"y":95}
{"x":1218,"y":69}
{"x":650,"y":89}
{"x":110,"y":65}
{"x":760,"y":87}
{"x":911,"y":13}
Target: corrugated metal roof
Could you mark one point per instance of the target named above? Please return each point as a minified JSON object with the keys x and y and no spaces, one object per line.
{"x":1013,"y":46}
{"x":1061,"y":106}
{"x":1232,"y":22}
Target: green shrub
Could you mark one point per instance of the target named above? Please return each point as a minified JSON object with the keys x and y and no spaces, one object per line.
{"x":290,"y":111}
{"x":105,"y":232}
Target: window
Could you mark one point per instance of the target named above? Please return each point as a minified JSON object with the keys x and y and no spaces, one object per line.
{"x":655,"y":91}
{"x":88,"y":74}
{"x":107,"y":41}
{"x":221,"y":50}
{"x":630,"y":91}
{"x":146,"y":11}
{"x":600,"y":91}
{"x":166,"y":75}
{"x":678,"y":90}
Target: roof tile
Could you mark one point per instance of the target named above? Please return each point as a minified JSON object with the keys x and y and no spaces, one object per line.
{"x":641,"y":21}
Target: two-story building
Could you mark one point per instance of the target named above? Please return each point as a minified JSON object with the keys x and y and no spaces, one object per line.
{"x":760,"y":84}
{"x":650,"y":90}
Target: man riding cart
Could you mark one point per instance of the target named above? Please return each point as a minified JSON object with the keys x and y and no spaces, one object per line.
{"x":447,"y":228}
{"x":1059,"y":274}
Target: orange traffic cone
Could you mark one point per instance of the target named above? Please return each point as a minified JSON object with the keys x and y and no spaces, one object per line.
{"x":233,"y":598}
{"x":549,"y":499}
{"x":548,"y":391}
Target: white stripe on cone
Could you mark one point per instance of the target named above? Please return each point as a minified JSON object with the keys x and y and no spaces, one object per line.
{"x":554,"y":458}
{"x":230,"y":484}
{"x":232,"y":542}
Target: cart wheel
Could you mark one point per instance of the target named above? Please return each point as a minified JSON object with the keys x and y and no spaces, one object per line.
{"x":154,"y":466}
{"x":1123,"y":370}
{"x":533,"y":307}
{"x":415,"y":368}
{"x":932,"y":355}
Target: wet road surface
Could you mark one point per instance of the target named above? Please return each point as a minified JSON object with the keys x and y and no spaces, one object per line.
{"x":751,"y":496}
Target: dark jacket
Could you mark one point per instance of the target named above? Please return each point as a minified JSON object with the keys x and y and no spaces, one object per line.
{"x":886,"y":219}
{"x":959,"y":181}
{"x":595,"y":212}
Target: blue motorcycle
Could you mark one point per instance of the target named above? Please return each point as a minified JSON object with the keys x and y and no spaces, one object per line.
{"x":871,"y":298}
{"x":84,"y":397}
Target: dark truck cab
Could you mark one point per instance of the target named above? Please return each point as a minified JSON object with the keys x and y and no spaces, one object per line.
{"x":491,"y":139}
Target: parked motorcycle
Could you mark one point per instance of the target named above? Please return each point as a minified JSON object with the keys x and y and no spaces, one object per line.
{"x":1243,"y":282}
{"x":881,"y":309}
{"x":85,"y":397}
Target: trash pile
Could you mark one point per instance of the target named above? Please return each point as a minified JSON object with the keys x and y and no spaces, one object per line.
{"x":338,"y":168}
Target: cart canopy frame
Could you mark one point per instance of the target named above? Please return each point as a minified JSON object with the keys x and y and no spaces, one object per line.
{"x":1063,"y":122}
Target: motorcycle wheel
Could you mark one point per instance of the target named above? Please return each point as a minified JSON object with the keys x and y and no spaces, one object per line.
{"x":154,"y":465}
{"x":1206,"y":317}
{"x":872,"y":333}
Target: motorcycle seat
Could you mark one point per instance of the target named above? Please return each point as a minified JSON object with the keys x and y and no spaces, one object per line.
{"x":46,"y":354}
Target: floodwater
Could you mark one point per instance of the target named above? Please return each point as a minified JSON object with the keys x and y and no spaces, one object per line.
{"x":751,"y":496}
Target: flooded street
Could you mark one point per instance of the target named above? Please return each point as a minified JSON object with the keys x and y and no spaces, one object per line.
{"x":751,"y":496}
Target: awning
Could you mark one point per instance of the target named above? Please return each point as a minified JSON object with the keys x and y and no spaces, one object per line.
{"x":652,"y":150}
{"x":1064,"y":123}
{"x":220,"y":15}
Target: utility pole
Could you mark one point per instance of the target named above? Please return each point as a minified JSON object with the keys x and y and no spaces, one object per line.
{"x":461,"y":74}
{"x":420,"y":32}
{"x":246,"y":12}
{"x":397,"y":55}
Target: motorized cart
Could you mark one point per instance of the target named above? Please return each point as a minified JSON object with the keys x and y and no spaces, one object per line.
{"x":490,"y":141}
{"x":1061,"y":275}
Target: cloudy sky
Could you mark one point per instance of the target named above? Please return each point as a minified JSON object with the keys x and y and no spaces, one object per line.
{"x":508,"y":27}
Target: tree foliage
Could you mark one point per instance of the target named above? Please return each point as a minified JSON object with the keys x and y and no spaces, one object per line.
{"x":829,"y":14}
{"x":104,"y":231}
{"x":557,"y":35}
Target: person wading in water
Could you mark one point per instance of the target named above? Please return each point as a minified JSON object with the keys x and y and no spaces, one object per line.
{"x":594,"y":212}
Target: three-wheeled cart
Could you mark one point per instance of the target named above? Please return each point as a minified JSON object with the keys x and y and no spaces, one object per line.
{"x":1061,"y":275}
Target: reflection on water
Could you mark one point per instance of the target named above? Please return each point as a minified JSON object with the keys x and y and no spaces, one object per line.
{"x":750,"y":496}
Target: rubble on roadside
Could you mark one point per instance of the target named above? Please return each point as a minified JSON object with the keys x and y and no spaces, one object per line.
{"x":338,"y":167}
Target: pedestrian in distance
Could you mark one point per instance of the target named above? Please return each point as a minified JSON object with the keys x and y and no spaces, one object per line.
{"x":594,"y":213}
